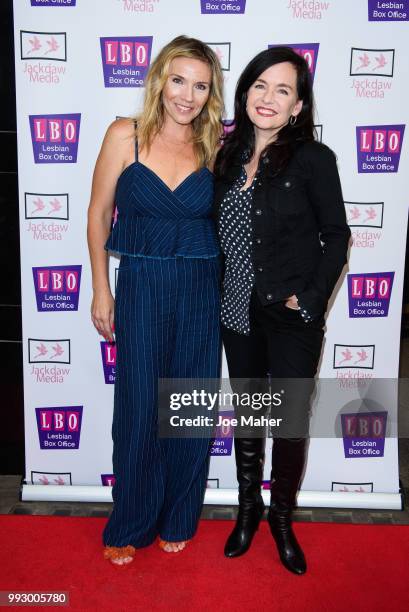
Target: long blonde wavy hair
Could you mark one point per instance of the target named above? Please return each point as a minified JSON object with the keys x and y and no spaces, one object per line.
{"x":207,"y":125}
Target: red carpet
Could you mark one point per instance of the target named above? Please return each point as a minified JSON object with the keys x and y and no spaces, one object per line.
{"x":361,"y":567}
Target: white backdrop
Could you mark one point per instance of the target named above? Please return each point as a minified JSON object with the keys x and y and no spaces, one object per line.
{"x":80,"y":64}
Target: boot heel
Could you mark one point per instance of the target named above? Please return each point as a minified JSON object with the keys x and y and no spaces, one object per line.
{"x":240,"y":539}
{"x":249,"y":454}
{"x":289,"y":550}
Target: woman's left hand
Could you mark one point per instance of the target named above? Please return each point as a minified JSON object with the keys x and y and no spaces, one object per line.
{"x":292,"y":302}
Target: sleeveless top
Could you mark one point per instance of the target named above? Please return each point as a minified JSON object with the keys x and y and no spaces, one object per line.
{"x":155,"y":221}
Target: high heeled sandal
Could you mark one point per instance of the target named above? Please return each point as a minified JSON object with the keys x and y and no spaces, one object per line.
{"x":163,"y":543}
{"x":116,"y":553}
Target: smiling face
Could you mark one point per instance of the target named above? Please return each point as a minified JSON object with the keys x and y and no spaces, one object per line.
{"x":186,"y":90}
{"x":272,"y":98}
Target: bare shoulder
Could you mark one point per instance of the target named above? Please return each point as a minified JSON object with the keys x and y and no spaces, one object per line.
{"x":118,"y":145}
{"x":121,"y":130}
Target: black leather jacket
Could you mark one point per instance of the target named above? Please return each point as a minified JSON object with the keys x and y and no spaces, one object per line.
{"x":300,"y":234}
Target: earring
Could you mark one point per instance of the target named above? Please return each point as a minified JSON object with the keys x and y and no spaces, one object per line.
{"x":293,"y":120}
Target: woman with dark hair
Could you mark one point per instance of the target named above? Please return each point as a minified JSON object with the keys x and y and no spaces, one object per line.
{"x":284,"y":237}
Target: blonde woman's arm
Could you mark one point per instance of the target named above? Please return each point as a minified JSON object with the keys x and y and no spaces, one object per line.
{"x":116,"y":153}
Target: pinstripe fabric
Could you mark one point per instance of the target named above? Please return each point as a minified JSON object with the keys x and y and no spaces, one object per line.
{"x":156,"y":221}
{"x":167,"y":325}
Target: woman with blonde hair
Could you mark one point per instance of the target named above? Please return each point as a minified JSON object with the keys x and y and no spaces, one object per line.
{"x":166,"y":316}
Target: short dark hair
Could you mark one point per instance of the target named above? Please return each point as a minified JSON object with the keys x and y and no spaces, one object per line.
{"x":241,"y":139}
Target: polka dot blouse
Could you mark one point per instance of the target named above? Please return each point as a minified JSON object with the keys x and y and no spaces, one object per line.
{"x":236,"y":240}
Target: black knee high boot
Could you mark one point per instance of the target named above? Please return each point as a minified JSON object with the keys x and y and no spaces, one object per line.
{"x":249,"y":461}
{"x":287,"y":467}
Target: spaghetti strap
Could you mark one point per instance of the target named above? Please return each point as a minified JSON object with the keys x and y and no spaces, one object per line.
{"x":136,"y":143}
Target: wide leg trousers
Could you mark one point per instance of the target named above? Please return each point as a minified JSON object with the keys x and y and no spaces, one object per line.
{"x":167,"y":326}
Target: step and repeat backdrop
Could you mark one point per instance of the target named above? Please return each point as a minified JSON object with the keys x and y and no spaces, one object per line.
{"x":82,"y":63}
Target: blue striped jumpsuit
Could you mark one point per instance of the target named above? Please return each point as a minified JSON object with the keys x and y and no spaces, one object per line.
{"x":166,"y":326}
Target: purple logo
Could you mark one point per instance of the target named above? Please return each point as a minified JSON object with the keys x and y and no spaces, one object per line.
{"x":108,"y":480}
{"x":125,"y":60}
{"x":217,"y":7}
{"x":309,"y":51}
{"x":228,"y":126}
{"x":364,"y":434}
{"x":57,"y":288}
{"x":55,"y":138}
{"x":221,"y":445}
{"x":379,"y":147}
{"x":53,"y":2}
{"x":370,"y":294}
{"x":388,"y":11}
{"x":59,"y":428}
{"x":108,"y":352}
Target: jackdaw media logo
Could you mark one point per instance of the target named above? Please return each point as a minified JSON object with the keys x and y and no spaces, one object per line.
{"x":51,"y":478}
{"x":353,"y":356}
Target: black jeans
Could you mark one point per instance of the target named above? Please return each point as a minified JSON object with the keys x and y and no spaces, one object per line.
{"x":280,"y":343}
{"x":283,"y":345}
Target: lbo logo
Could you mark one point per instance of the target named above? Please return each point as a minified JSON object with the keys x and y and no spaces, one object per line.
{"x":57,"y":288}
{"x":370,"y":294}
{"x":125,"y":60}
{"x":364,"y":434}
{"x":308,"y":51}
{"x":108,"y":353}
{"x":379,"y":147}
{"x":55,"y":138}
{"x":59,"y":428}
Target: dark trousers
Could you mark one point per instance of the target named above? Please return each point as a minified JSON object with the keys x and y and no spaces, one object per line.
{"x":282,"y":345}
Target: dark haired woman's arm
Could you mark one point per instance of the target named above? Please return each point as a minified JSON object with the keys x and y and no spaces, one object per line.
{"x":325,"y":195}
